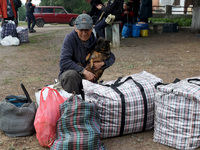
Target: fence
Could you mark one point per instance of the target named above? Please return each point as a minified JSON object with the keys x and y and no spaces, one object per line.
{"x":172,"y":11}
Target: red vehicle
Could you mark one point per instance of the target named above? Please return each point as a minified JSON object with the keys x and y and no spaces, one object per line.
{"x":53,"y":14}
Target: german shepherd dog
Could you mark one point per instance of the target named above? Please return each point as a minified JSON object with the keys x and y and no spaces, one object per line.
{"x":100,"y":53}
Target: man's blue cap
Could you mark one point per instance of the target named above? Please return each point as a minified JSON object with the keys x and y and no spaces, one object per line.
{"x":84,"y":21}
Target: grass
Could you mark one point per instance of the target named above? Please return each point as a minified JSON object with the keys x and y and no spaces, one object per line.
{"x":22,"y":23}
{"x":7,"y":81}
{"x":180,"y":21}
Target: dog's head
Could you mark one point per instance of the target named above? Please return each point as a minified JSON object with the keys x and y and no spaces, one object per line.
{"x":102,"y":45}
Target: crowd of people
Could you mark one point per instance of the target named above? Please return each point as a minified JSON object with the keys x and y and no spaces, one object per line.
{"x":131,"y":11}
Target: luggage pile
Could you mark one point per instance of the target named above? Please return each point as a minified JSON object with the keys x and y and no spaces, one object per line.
{"x":131,"y":104}
{"x":12,"y":35}
{"x":140,"y":29}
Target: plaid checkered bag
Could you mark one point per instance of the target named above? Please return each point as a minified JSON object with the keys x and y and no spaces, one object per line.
{"x":78,"y":127}
{"x":23,"y":35}
{"x":177,"y":114}
{"x":125,"y":105}
{"x":9,"y":28}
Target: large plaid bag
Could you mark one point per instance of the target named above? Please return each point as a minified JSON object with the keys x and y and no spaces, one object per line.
{"x":23,"y":34}
{"x":125,"y":105}
{"x":9,"y":28}
{"x":177,"y":114}
{"x":78,"y":127}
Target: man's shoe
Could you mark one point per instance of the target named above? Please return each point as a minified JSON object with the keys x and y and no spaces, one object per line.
{"x":32,"y":31}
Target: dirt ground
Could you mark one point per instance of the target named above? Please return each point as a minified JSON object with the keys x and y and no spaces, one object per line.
{"x":166,"y":55}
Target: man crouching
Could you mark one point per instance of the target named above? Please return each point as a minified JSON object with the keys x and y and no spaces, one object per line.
{"x":76,"y":46}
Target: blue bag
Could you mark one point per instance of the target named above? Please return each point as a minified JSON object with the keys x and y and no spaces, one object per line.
{"x":144,"y":26}
{"x":136,"y":30}
{"x":18,"y":101}
{"x":127,"y":30}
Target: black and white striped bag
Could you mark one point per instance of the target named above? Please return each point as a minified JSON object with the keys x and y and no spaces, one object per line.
{"x":125,"y":105}
{"x":177,"y":114}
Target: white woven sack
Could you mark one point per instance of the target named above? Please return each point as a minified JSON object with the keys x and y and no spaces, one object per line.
{"x":177,"y":114}
{"x":129,"y":112}
{"x":62,"y":92}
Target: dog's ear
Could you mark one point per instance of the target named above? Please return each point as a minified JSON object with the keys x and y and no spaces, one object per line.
{"x":107,"y":43}
{"x":97,"y":35}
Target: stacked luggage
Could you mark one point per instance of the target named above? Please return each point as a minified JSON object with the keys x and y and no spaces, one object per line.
{"x":131,"y":104}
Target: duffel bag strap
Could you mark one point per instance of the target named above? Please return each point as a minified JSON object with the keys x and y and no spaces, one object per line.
{"x":160,"y":83}
{"x":114,"y":86}
{"x":195,"y":79}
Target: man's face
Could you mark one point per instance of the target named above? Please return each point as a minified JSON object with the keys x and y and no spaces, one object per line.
{"x":84,"y":34}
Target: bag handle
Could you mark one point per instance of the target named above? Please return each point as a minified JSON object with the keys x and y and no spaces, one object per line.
{"x":195,"y":79}
{"x":50,"y":89}
{"x":160,"y":83}
{"x":26,"y":93}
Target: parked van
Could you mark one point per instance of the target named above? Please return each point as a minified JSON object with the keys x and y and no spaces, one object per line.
{"x":53,"y":14}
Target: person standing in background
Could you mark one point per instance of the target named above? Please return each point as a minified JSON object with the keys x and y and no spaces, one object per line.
{"x":17,"y":4}
{"x":127,"y":15}
{"x":145,"y":10}
{"x":29,"y":14}
{"x":94,"y":12}
{"x":134,"y":5}
{"x":7,"y":11}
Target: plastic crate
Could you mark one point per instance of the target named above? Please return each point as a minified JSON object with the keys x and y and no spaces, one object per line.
{"x":170,"y":27}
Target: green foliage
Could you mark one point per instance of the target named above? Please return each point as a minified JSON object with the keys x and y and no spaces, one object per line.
{"x":22,"y":13}
{"x":72,"y":6}
{"x":180,"y":21}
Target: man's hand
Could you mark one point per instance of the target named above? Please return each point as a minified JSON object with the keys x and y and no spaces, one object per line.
{"x":126,"y":12}
{"x":99,"y":6}
{"x":88,"y":75}
{"x":98,"y":65}
{"x":0,"y":16}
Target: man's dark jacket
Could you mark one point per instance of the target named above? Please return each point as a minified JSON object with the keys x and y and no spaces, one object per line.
{"x":17,"y":4}
{"x":114,"y":8}
{"x":73,"y":52}
{"x":95,"y":13}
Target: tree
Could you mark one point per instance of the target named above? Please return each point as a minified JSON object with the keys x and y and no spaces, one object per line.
{"x":72,"y":6}
{"x":22,"y":13}
{"x":195,"y":27}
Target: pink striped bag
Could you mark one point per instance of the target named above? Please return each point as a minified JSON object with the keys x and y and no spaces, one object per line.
{"x":125,"y":105}
{"x":177,"y":114}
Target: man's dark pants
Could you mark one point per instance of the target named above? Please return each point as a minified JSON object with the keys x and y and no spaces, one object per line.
{"x":71,"y":81}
